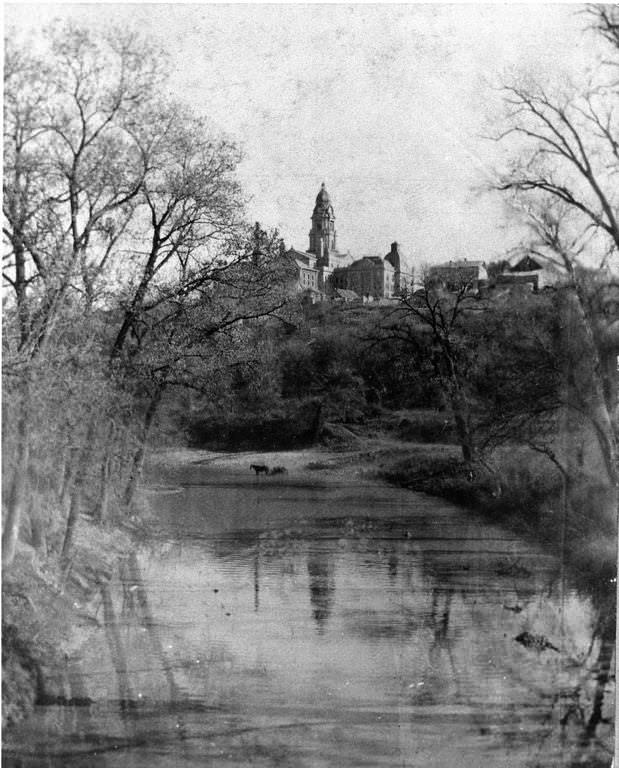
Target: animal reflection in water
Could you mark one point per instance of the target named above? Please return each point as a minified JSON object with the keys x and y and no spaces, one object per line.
{"x":263,"y":469}
{"x":535,"y":642}
{"x":321,"y":570}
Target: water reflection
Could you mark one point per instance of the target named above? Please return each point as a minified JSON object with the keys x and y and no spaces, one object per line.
{"x":126,"y":696}
{"x":321,"y":570}
{"x":260,"y":629}
{"x":136,"y":607}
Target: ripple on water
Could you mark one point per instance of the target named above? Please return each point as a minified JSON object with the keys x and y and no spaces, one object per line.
{"x":344,"y":626}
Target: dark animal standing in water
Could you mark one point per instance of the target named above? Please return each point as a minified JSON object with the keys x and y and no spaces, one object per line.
{"x":260,"y":469}
{"x":536,"y":642}
{"x":513,"y":608}
{"x":279,"y":471}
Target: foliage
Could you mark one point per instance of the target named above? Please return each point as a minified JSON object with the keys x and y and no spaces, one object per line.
{"x":127,"y":255}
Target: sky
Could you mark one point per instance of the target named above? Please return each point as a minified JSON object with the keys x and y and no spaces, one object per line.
{"x":387,"y":104}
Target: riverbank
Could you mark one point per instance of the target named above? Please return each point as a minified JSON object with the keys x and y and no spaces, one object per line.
{"x":319,"y":620}
{"x":47,"y":613}
{"x":572,"y":519}
{"x":365,"y":461}
{"x":527,"y":499}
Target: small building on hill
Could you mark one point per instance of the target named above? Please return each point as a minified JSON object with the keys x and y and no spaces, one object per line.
{"x":307,"y":274}
{"x":536,"y":272}
{"x":453,"y":275}
{"x":345,"y":296}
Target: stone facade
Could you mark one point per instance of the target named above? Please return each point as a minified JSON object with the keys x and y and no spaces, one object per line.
{"x":322,"y":268}
{"x":370,"y":276}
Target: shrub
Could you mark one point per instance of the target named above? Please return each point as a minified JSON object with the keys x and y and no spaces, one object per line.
{"x":291,"y":427}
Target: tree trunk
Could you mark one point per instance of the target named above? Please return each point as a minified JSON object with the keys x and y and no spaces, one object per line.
{"x":602,"y":402}
{"x":38,"y":538}
{"x":18,"y":491}
{"x":20,"y":290}
{"x":318,"y":422}
{"x":101,"y":511}
{"x":76,"y":494}
{"x":462,"y":420}
{"x":74,"y":511}
{"x":68,"y":477}
{"x":138,"y":299}
{"x":138,"y":458}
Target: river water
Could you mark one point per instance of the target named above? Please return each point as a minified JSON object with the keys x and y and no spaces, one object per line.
{"x":275,"y":621}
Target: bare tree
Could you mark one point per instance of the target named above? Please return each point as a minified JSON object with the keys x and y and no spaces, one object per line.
{"x":73,"y":171}
{"x":191,"y":204}
{"x":604,"y":19}
{"x":442,"y":313}
{"x":75,"y":160}
{"x":178,"y":333}
{"x":120,"y":208}
{"x":563,"y":179}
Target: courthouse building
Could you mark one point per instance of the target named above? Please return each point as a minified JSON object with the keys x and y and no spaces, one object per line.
{"x":323,"y":271}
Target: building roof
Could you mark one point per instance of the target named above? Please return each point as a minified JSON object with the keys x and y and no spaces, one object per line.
{"x":302,"y":256}
{"x":304,"y":265}
{"x":462,"y":264}
{"x":526,"y":264}
{"x":347,"y":295}
{"x":371,"y":262}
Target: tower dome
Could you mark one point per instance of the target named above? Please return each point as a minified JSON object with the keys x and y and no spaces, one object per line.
{"x":322,"y":198}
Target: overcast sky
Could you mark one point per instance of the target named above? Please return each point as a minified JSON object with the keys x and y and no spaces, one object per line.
{"x":384,"y":103}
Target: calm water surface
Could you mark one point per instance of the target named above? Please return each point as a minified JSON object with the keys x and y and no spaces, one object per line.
{"x":270,"y":622}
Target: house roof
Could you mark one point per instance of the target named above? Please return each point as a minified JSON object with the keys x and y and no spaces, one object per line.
{"x":295,"y":254}
{"x":527,"y":264}
{"x":462,"y":264}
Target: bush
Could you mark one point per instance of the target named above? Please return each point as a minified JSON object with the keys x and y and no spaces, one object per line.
{"x":426,"y":427}
{"x":19,"y":677}
{"x":292,"y":427}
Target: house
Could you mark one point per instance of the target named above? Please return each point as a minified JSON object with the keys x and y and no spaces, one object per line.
{"x":307,"y":274}
{"x":536,"y":272}
{"x":453,"y":275}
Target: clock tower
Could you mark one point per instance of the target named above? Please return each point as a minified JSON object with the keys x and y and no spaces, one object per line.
{"x":322,"y":236}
